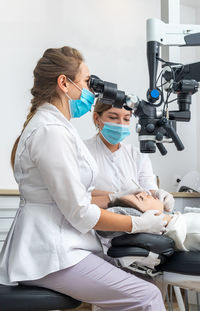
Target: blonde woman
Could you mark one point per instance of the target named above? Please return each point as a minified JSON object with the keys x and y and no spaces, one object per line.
{"x":122,"y":168}
{"x":52,"y":242}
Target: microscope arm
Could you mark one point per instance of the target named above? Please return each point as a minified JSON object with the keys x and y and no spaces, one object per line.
{"x":172,"y":34}
{"x":160,"y":33}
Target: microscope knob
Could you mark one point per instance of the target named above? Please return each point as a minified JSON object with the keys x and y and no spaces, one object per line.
{"x":155,"y":93}
{"x":150,"y":127}
{"x":159,"y":136}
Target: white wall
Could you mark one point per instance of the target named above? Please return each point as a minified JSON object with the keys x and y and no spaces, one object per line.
{"x":111,"y":34}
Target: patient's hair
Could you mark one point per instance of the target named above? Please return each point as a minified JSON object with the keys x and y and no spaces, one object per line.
{"x":124,"y":203}
{"x":54,"y":62}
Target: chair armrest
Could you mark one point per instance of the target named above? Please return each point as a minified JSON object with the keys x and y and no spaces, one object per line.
{"x":159,"y":244}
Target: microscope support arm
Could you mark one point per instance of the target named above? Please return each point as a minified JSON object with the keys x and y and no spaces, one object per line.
{"x":160,"y":33}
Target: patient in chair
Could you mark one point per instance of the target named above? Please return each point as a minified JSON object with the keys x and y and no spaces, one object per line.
{"x":184,"y":229}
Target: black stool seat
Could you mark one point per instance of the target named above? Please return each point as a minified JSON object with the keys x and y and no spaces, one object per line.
{"x":31,"y":298}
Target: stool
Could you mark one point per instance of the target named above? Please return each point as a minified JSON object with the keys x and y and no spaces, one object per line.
{"x":32,"y":298}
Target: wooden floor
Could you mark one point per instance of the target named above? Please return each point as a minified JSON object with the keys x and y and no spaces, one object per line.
{"x":87,"y":307}
{"x":83,"y":307}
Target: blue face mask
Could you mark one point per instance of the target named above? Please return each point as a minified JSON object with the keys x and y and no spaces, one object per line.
{"x":78,"y":107}
{"x":114,"y":133}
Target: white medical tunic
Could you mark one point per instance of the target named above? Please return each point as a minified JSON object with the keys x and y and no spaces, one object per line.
{"x":117,"y":169}
{"x":53,"y":226}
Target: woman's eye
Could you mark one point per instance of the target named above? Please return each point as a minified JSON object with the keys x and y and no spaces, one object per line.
{"x":112,"y":118}
{"x":127,"y":120}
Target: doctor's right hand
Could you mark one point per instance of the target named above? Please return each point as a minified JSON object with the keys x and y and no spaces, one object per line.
{"x":149,"y":223}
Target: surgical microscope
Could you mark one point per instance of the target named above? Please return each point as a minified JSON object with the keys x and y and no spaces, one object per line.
{"x":156,"y":127}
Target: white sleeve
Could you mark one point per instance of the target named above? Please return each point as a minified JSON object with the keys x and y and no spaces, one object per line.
{"x":147,"y":179}
{"x":54,"y":152}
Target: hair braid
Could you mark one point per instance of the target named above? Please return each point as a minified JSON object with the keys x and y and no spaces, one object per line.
{"x":51,"y":65}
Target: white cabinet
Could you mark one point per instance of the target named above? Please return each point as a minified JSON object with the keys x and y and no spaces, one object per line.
{"x":183,"y":199}
{"x":8,"y":208}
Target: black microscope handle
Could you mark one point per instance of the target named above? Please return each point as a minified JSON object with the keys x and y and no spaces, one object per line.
{"x":161,"y":148}
{"x":172,"y":133}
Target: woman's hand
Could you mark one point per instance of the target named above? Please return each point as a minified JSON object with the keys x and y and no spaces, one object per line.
{"x":149,"y":222}
{"x":166,"y":198}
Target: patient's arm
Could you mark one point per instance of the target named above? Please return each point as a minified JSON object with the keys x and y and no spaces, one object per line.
{"x":100,"y":198}
{"x":98,"y":193}
{"x":101,"y":201}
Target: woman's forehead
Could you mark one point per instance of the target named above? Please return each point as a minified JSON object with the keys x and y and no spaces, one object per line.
{"x":83,"y":70}
{"x":118,"y":111}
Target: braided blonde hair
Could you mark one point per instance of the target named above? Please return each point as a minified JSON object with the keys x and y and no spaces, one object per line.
{"x":51,"y":65}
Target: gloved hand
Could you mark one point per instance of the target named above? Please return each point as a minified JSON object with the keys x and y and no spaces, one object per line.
{"x":149,"y":223}
{"x":166,"y":198}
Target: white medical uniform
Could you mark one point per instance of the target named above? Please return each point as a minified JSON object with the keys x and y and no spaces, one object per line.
{"x":116,"y":169}
{"x":53,"y":226}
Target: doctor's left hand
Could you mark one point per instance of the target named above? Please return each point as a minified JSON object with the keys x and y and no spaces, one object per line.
{"x":166,"y":198}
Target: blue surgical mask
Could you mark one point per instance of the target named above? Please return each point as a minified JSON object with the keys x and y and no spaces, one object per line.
{"x":114,"y":133}
{"x":78,"y":107}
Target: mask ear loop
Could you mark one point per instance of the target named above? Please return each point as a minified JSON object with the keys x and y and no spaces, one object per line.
{"x":68,"y":96}
{"x":99,"y":125}
{"x":66,"y":92}
{"x":74,"y":84}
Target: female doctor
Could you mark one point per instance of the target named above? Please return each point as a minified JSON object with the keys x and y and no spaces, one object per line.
{"x":51,"y":242}
{"x":122,"y":168}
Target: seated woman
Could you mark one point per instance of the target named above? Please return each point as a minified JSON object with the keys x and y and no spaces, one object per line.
{"x":182,"y":228}
{"x":121,"y":166}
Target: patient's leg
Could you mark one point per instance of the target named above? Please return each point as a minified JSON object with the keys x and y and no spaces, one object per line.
{"x":177,"y":230}
{"x":192,"y":241}
{"x":184,"y":229}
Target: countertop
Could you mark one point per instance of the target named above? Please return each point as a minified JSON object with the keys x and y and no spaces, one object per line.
{"x":175,"y":194}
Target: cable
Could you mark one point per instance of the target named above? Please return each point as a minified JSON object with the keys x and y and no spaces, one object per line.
{"x":172,"y":100}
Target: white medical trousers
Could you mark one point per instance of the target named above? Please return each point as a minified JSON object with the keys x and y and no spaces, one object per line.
{"x":96,"y":281}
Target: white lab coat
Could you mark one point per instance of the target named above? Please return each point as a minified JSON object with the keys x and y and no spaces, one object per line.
{"x":116,"y":169}
{"x":53,"y":226}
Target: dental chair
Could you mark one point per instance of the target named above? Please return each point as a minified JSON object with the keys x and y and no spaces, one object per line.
{"x":31,"y":298}
{"x":154,"y":255}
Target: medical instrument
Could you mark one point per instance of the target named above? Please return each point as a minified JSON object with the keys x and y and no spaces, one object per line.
{"x":157,"y":127}
{"x":139,"y":187}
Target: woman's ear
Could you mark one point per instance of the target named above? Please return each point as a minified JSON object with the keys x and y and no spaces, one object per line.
{"x":96,"y":119}
{"x":63,"y":83}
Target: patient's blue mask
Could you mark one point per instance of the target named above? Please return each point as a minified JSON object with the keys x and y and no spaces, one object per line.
{"x":114,"y":133}
{"x":78,"y":107}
